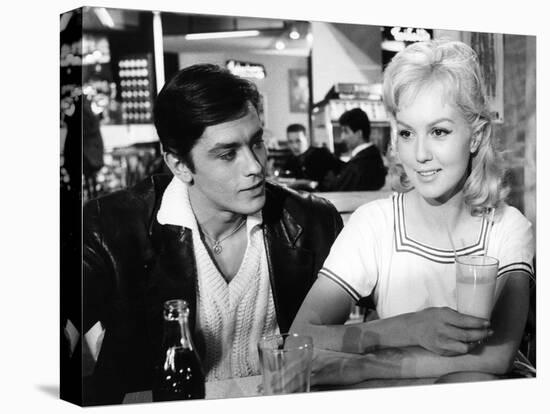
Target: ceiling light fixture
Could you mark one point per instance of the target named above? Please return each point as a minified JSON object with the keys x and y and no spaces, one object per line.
{"x":104,"y":16}
{"x":222,"y":35}
{"x":280,"y":45}
{"x":294,"y":34}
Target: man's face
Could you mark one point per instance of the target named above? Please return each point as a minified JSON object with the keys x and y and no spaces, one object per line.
{"x":351,"y":139}
{"x":229,"y":160}
{"x":297,"y":142}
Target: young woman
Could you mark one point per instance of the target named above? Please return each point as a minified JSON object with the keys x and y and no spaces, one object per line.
{"x":400,"y":250}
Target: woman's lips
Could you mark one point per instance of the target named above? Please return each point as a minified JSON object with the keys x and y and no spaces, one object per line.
{"x":428,"y":173}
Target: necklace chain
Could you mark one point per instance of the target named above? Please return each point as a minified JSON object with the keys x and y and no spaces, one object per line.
{"x":216,"y":246}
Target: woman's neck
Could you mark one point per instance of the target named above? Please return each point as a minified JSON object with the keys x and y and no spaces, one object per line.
{"x":445,"y":216}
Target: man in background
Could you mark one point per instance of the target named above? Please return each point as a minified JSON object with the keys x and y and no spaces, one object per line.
{"x":365,"y":171}
{"x":308,"y":162}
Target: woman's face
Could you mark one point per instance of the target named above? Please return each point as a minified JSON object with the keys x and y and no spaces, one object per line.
{"x":433,"y":143}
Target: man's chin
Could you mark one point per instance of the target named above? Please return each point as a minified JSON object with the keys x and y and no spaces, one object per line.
{"x":254,"y":205}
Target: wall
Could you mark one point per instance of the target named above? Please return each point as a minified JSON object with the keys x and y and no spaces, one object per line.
{"x":529,"y":198}
{"x":275,"y":87}
{"x":346,"y":53}
{"x":517,"y":133}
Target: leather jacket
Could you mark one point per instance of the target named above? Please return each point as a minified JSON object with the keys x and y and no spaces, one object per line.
{"x":132,"y":265}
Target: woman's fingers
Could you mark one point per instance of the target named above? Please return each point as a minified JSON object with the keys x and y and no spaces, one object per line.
{"x":461,"y":320}
{"x":467,"y":335}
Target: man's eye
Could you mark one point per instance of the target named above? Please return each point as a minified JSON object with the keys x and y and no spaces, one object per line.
{"x":258,"y":144}
{"x":228,"y":156}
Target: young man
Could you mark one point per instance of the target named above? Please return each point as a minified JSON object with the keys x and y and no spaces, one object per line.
{"x":241,"y":251}
{"x":311,"y":163}
{"x":365,"y":171}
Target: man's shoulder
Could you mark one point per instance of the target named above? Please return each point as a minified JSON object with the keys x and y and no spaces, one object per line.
{"x":319,"y":150}
{"x":297,"y":202}
{"x":319,"y":153}
{"x":370,"y":156}
{"x":369,"y":152}
{"x":140,"y":199}
{"x":314,"y":214}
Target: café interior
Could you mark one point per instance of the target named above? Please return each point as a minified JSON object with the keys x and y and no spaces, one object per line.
{"x":307,"y":72}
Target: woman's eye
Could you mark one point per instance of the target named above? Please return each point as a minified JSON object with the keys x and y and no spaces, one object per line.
{"x":404,"y":134}
{"x":440,"y":132}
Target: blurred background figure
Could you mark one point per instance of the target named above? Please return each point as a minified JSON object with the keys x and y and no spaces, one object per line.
{"x":365,"y":171}
{"x":83,"y":149}
{"x":307,"y":162}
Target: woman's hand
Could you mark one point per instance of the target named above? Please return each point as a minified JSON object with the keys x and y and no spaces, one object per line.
{"x":447,"y":332}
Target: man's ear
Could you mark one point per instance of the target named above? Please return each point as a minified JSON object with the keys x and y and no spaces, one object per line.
{"x":178,"y":167}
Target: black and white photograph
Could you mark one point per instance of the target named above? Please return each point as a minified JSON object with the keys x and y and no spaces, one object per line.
{"x":277,"y":208}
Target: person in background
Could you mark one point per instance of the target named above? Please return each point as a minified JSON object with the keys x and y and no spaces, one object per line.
{"x":400,"y":251}
{"x":365,"y":171}
{"x":241,"y":251}
{"x":308,"y":162}
{"x":83,"y":149}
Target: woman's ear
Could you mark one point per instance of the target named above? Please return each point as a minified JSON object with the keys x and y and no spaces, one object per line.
{"x":475,"y":140}
{"x":178,"y":167}
{"x":481,"y":130}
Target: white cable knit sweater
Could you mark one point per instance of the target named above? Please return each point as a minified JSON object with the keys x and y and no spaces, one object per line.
{"x":232,"y":316}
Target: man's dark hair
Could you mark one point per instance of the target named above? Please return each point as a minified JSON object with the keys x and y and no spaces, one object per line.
{"x":356,"y":119}
{"x":197,"y":97}
{"x":296,"y":128}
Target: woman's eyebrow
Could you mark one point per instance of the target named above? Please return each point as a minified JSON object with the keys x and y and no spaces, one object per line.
{"x":403,"y":123}
{"x":435,"y":122}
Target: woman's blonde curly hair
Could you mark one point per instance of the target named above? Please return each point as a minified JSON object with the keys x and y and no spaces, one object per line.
{"x":454,"y":65}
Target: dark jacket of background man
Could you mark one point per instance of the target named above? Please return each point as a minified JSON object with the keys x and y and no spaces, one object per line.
{"x":365,"y":171}
{"x":314,"y":164}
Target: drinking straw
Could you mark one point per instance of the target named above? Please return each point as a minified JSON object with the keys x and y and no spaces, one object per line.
{"x":454,"y":249}
{"x":451,"y":240}
{"x":491,"y":218}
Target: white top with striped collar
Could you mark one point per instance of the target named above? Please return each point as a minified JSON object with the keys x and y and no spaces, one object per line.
{"x":374,"y":253}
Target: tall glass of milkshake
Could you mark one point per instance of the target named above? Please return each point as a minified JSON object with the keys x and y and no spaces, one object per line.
{"x":475,"y":285}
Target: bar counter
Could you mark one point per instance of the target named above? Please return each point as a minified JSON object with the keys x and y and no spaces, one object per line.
{"x":346,"y":202}
{"x":249,"y":387}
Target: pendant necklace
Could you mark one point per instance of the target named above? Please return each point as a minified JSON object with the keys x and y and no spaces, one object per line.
{"x":216,"y":244}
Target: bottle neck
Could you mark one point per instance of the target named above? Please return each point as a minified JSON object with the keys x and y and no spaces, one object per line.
{"x":177,"y":334}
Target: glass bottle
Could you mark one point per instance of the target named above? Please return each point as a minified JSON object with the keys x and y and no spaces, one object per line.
{"x":178,"y":373}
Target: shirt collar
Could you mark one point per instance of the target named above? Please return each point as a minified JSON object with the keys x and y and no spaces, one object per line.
{"x":175,"y":208}
{"x":360,"y":148}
